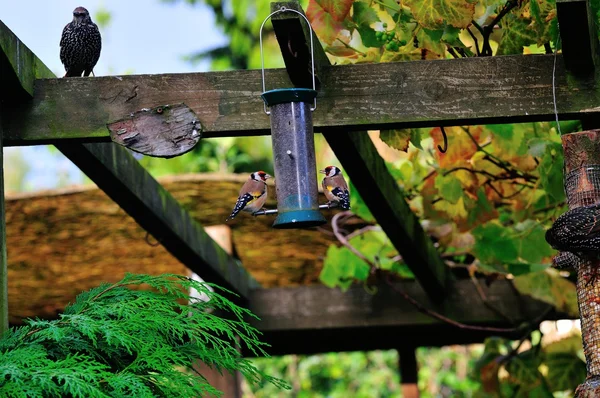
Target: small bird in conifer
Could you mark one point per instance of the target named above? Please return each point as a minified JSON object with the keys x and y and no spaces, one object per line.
{"x":253,"y":194}
{"x":335,"y":187}
{"x":80,"y":44}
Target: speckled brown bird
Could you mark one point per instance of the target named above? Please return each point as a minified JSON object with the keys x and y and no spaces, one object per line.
{"x":577,"y":231}
{"x":335,"y":187}
{"x":80,"y":44}
{"x":253,"y":194}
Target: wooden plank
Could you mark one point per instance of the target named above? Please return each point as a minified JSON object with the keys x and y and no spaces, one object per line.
{"x":19,"y":67}
{"x":126,"y":182}
{"x":578,"y":35}
{"x":358,"y":320}
{"x":293,"y":36}
{"x":381,"y":193}
{"x":3,"y":257}
{"x":164,"y":131}
{"x":476,"y":90}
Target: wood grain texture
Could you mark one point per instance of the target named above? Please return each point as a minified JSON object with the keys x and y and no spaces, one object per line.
{"x":126,"y":182}
{"x":507,"y":89}
{"x":164,"y":131}
{"x":579,"y":36}
{"x":359,"y":320}
{"x":19,"y":67}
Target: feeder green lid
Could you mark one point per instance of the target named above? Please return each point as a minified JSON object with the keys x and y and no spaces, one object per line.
{"x":284,"y":95}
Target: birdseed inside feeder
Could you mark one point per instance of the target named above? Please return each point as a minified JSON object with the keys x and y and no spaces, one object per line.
{"x":293,"y":149}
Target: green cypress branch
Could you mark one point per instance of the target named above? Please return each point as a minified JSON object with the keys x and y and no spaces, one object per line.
{"x":119,"y":340}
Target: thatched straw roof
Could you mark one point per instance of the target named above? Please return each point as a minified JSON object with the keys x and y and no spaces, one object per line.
{"x":65,"y":241}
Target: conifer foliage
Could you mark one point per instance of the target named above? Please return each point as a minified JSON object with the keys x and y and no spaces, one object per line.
{"x":115,"y":341}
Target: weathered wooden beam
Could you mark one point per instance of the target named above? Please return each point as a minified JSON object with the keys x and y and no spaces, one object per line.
{"x":361,"y":161}
{"x":293,"y":36}
{"x":381,"y":193}
{"x":358,"y":320}
{"x":3,"y":257}
{"x":125,"y":181}
{"x":19,"y":67}
{"x":476,"y":90}
{"x":579,"y":36}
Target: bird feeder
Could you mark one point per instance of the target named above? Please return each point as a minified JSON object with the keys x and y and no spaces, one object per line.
{"x":292,"y":135}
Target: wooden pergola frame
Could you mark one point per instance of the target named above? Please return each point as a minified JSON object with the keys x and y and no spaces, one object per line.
{"x":72,"y":114}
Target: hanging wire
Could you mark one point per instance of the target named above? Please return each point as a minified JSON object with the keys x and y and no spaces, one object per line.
{"x":312,"y":51}
{"x":554,"y":84}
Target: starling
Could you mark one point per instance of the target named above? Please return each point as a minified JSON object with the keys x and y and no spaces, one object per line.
{"x":577,"y":231}
{"x":80,"y":44}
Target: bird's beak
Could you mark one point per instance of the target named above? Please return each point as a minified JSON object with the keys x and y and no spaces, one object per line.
{"x":267,"y":176}
{"x":322,"y":172}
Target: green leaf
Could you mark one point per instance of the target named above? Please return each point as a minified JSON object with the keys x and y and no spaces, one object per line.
{"x":368,"y":36}
{"x":362,"y":14}
{"x":431,"y":40}
{"x":565,"y":371}
{"x":434,"y":14}
{"x":551,"y":172}
{"x":397,"y":139}
{"x":358,"y":205}
{"x":531,"y":242}
{"x":524,"y":368}
{"x":548,"y":286}
{"x":341,"y":267}
{"x":515,"y":35}
{"x":571,"y":344}
{"x":326,"y":17}
{"x":449,"y":187}
{"x":494,"y":243}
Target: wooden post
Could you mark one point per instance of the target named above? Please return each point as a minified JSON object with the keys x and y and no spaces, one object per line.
{"x":3,"y":263}
{"x":409,"y":371}
{"x":228,"y":383}
{"x":582,"y":185}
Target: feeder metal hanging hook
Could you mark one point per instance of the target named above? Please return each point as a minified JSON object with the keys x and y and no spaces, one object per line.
{"x":312,"y":52}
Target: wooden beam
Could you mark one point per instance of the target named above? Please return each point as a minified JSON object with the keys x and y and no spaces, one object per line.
{"x":125,"y":181}
{"x":362,"y":163}
{"x":476,"y":90}
{"x":409,"y":371}
{"x":3,"y":258}
{"x":293,"y":36}
{"x":357,"y":320}
{"x":19,"y":67}
{"x":579,"y":36}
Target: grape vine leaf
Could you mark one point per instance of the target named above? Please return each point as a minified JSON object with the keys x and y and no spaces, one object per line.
{"x":358,"y":206}
{"x":494,"y":243}
{"x":397,"y":139}
{"x":434,"y":14}
{"x":449,"y":187}
{"x":548,"y":286}
{"x":341,"y":267}
{"x":326,"y":17}
{"x":516,"y":34}
{"x":565,"y":371}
